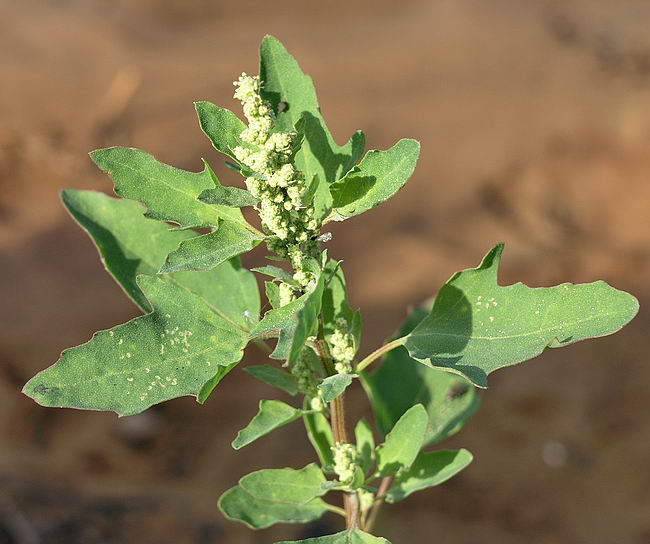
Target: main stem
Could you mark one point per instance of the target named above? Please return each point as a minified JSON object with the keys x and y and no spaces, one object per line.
{"x":340,"y":433}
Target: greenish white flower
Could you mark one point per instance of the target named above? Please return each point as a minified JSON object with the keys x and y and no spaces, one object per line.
{"x":345,"y":461}
{"x":366,"y":499}
{"x":342,"y":347}
{"x":275,"y":180}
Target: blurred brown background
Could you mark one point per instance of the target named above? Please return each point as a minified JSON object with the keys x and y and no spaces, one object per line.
{"x":534,"y":118}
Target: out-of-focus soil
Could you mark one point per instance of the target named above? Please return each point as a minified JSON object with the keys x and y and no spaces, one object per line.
{"x":534,"y":119}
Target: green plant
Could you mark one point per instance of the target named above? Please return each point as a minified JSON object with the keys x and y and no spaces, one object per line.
{"x":202,"y":308}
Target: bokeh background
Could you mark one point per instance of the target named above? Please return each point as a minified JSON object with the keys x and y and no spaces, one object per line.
{"x":534,"y":118}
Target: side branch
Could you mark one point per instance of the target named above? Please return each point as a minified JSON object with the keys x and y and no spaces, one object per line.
{"x":379,"y":352}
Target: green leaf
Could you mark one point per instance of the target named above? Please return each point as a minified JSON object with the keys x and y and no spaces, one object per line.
{"x":232,"y":197}
{"x":428,"y":470}
{"x":272,"y":414}
{"x":352,"y":536}
{"x":174,"y":351}
{"x":403,"y":442}
{"x":333,"y":386}
{"x":365,"y":445}
{"x":295,"y":322}
{"x":272,"y":291}
{"x":238,"y":504}
{"x":274,"y":377}
{"x":222,"y":126}
{"x":477,"y":327}
{"x":284,"y":82}
{"x":210,"y":250}
{"x":320,"y":436}
{"x":335,"y":303}
{"x":170,"y":194}
{"x":378,"y":176}
{"x":286,"y":484}
{"x":130,"y":244}
{"x":275,"y":272}
{"x":401,"y":382}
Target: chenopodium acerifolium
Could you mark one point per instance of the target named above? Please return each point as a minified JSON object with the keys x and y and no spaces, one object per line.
{"x":202,"y":307}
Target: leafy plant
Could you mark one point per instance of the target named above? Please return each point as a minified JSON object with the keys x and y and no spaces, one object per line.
{"x":202,"y":308}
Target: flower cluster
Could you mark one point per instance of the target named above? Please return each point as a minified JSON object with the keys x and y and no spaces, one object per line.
{"x":278,"y":185}
{"x":345,"y":461}
{"x":342,"y":347}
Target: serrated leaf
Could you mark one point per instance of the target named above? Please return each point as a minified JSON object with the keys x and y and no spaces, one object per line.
{"x":401,"y":382}
{"x":378,"y":176}
{"x":403,"y":442}
{"x":221,"y":126}
{"x":238,"y":504}
{"x":352,"y":536}
{"x":274,"y":377}
{"x":170,"y":194}
{"x":130,"y":244}
{"x":271,"y":415}
{"x":208,"y":251}
{"x":477,"y":326}
{"x":233,"y":197}
{"x":333,"y":386}
{"x":275,"y":272}
{"x":365,"y":442}
{"x":286,"y":484}
{"x":428,"y":470}
{"x":284,"y":82}
{"x":320,"y":435}
{"x":171,"y":352}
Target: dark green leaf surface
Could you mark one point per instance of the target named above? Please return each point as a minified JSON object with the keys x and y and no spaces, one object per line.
{"x":130,"y":244}
{"x":232,"y":197}
{"x":286,"y":484}
{"x":353,"y":536}
{"x":401,"y":382}
{"x":428,"y":470}
{"x":403,"y":442}
{"x":477,"y":327}
{"x":238,"y":504}
{"x":172,"y":352}
{"x":365,"y":442}
{"x":284,"y":82}
{"x":320,"y":435}
{"x":274,"y":377}
{"x":271,"y":415}
{"x":374,"y":180}
{"x":222,"y":126}
{"x":170,"y":194}
{"x":333,"y":386}
{"x":210,"y":250}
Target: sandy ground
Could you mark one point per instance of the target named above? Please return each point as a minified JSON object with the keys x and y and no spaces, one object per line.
{"x":534,"y":118}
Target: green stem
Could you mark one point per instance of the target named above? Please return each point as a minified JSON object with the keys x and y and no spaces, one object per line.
{"x":379,"y":500}
{"x":336,"y":509}
{"x":379,"y":352}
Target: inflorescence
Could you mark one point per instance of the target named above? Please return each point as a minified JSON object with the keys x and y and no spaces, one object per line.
{"x":280,"y":187}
